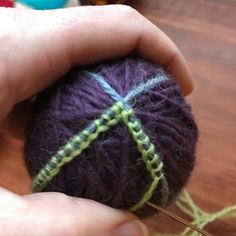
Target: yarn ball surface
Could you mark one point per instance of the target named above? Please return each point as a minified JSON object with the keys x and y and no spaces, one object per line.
{"x":44,"y":4}
{"x":111,"y":169}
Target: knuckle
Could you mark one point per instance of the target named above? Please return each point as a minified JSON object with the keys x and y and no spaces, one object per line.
{"x":128,"y":12}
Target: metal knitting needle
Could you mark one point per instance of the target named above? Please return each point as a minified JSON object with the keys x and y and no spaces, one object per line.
{"x":178,"y":219}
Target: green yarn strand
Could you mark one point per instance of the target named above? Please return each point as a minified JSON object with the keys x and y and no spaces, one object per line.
{"x":152,"y":160}
{"x":147,"y":195}
{"x":200,"y":218}
{"x":76,"y":145}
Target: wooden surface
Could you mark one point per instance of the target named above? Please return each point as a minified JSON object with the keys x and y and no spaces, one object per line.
{"x":205,"y":33}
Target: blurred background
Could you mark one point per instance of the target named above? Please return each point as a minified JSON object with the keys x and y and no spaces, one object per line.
{"x":205,"y":32}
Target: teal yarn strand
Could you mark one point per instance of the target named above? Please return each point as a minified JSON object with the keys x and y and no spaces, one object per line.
{"x":137,"y":91}
{"x":107,"y":87}
{"x":44,"y":4}
{"x":144,"y":87}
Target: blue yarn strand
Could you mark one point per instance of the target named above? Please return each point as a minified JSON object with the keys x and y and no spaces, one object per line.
{"x":107,"y":87}
{"x":143,"y":88}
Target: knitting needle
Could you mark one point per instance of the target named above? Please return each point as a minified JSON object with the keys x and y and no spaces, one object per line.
{"x":179,"y":219}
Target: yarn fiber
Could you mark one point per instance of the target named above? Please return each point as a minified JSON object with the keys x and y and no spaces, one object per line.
{"x":111,"y":166}
{"x":44,"y":4}
{"x":6,"y":3}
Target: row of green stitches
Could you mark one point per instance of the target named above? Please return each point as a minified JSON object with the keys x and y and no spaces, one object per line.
{"x":151,"y":159}
{"x":76,"y":145}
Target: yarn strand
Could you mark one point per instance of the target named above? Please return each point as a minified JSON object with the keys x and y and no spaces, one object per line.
{"x":76,"y":145}
{"x":144,"y":87}
{"x":200,"y":218}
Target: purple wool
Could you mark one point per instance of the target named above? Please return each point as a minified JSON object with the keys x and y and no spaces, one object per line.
{"x":111,"y":170}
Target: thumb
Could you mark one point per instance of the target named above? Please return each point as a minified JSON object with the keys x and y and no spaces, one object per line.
{"x":98,"y":219}
{"x":59,"y":214}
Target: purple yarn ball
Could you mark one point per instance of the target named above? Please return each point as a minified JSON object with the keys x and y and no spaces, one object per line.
{"x":111,"y":169}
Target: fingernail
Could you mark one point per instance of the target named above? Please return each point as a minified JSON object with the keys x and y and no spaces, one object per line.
{"x":133,"y":228}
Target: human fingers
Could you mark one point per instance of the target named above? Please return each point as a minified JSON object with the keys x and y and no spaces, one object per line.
{"x":38,"y":47}
{"x":58,"y":214}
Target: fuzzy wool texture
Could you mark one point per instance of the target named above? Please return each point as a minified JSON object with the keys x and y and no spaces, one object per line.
{"x":111,"y":170}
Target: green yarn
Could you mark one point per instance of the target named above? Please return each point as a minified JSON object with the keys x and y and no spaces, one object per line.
{"x":151,"y":159}
{"x":78,"y":143}
{"x":200,"y":218}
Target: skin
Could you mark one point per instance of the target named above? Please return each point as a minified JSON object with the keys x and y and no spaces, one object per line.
{"x":37,"y":48}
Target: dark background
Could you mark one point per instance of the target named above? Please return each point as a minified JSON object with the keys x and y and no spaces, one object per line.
{"x":205,"y":31}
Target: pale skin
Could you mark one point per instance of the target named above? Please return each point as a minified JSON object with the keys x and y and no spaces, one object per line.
{"x":37,"y":48}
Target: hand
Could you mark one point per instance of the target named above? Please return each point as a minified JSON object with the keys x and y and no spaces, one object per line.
{"x":56,"y":214}
{"x":36,"y":49}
